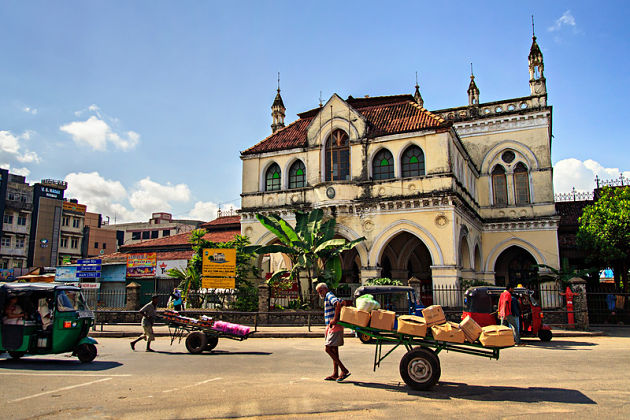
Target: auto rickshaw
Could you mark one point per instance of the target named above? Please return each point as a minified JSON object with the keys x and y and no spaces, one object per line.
{"x":481,"y":304}
{"x":45,"y":318}
{"x":400,"y":299}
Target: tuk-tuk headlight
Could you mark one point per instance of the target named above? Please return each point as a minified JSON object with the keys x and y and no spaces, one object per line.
{"x":69,"y":324}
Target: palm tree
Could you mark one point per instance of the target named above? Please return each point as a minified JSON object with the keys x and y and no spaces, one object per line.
{"x":310,"y":246}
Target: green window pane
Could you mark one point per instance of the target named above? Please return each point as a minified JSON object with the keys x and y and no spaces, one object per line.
{"x":276,"y":175}
{"x":384,"y":162}
{"x":413,"y":159}
{"x":300,"y":172}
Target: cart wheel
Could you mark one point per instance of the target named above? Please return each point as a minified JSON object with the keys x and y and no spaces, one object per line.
{"x":86,"y":353}
{"x":16,"y":354}
{"x":420,"y":369}
{"x":196,"y":342}
{"x":365,"y":339}
{"x":545,"y":335}
{"x":212,"y":342}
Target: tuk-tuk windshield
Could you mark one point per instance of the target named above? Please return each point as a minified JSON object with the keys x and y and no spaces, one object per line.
{"x":70,"y":300}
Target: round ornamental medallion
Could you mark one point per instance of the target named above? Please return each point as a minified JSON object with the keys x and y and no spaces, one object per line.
{"x":368,"y":225}
{"x":330,"y":192}
{"x":508,"y":156}
{"x":441,"y":220}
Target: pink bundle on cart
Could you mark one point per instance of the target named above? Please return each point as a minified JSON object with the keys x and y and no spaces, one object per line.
{"x":228,"y":327}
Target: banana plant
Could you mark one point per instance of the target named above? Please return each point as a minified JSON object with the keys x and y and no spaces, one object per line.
{"x":310,"y":246}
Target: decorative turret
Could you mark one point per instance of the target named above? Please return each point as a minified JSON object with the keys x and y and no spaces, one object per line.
{"x":416,"y":96}
{"x":277,"y":111}
{"x":473,"y":90}
{"x":537,"y":82}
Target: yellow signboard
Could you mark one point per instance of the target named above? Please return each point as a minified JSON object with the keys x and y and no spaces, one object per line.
{"x":219,"y":262}
{"x":218,"y":283}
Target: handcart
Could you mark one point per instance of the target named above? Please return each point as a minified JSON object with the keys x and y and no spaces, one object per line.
{"x":420,"y":366}
{"x":200,"y":334}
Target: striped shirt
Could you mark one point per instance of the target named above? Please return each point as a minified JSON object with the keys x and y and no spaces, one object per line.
{"x":329,"y":307}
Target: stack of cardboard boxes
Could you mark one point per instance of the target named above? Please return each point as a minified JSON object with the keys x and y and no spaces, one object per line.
{"x":433,"y":318}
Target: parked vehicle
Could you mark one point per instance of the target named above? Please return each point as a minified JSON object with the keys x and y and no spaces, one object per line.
{"x":400,"y":299}
{"x":45,"y":318}
{"x":481,"y":304}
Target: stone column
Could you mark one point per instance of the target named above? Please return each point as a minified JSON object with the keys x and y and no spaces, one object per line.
{"x":133,"y":296}
{"x":264,"y":294}
{"x":370,"y":273}
{"x":580,"y":304}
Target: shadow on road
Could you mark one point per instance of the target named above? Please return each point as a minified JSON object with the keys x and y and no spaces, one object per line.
{"x":448,"y":390}
{"x":560,"y":344}
{"x":27,"y":363}
{"x":218,"y":353}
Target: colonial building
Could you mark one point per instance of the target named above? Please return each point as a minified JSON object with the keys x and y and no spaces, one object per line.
{"x":443,"y":195}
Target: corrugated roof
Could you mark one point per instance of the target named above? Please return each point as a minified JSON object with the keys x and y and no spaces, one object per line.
{"x":223,"y":220}
{"x":385,"y":115}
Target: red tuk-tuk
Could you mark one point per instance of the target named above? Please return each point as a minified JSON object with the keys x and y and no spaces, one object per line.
{"x":481,"y":304}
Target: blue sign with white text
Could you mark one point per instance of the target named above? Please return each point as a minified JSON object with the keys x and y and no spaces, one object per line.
{"x":89,"y":274}
{"x":90,"y":261}
{"x":89,"y":268}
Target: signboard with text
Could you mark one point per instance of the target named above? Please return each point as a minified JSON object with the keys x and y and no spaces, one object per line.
{"x":74,"y":208}
{"x":141,"y":265}
{"x":219,"y":262}
{"x":217,"y":283}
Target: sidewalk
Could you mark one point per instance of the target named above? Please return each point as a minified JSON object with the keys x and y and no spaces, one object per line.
{"x":134,"y":330}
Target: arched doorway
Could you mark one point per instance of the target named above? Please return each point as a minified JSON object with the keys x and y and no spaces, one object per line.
{"x":515,"y":266}
{"x":406,"y":256}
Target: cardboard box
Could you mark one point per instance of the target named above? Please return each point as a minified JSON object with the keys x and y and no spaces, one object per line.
{"x":496,"y":336}
{"x":433,"y":315}
{"x":354,"y":316}
{"x":471,"y":329}
{"x":448,"y":332}
{"x":382,"y":320}
{"x":412,"y":325}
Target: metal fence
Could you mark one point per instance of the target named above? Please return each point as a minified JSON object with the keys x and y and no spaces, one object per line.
{"x":217,"y":299}
{"x":97,"y":299}
{"x":607,"y":306}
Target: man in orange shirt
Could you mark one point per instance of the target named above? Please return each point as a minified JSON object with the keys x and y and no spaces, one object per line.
{"x":506,"y":314}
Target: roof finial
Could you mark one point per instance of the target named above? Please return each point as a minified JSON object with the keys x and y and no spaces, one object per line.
{"x":472,"y":74}
{"x":417,"y":80}
{"x":416,"y":96}
{"x":278,"y":82}
{"x":320,"y":99}
{"x":533,"y":32}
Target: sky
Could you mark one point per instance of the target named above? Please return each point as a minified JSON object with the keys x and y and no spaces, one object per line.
{"x":145,"y":106}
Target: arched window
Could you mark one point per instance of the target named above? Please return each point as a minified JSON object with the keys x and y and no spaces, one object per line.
{"x":272,"y":178}
{"x":337,"y":157}
{"x":297,"y":175}
{"x":383,"y":165}
{"x":521,"y":184}
{"x":499,"y":186}
{"x":413,"y":162}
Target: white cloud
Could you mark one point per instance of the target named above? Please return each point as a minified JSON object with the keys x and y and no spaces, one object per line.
{"x":96,"y":133}
{"x":30,"y":110}
{"x":16,"y":171}
{"x":11,"y":147}
{"x":573,"y":173}
{"x":566,"y":20}
{"x":111,"y":198}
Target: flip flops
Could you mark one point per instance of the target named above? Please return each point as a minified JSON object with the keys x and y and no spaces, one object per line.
{"x":331,"y":378}
{"x":342,"y":377}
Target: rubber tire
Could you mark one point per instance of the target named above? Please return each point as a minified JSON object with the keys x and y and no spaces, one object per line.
{"x":365,"y":339}
{"x":16,"y":354}
{"x":420,"y":369}
{"x":545,"y":335}
{"x":86,"y":352}
{"x":212,"y":342}
{"x":196,"y":342}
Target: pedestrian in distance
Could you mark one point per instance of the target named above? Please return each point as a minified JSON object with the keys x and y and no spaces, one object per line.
{"x":149,"y":313}
{"x":505,"y":311}
{"x":176,"y":299}
{"x":334,"y":332}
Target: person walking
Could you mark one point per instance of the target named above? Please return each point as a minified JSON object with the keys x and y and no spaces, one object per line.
{"x":505,"y":311}
{"x":176,"y":299}
{"x":334,"y":332}
{"x":149,"y":312}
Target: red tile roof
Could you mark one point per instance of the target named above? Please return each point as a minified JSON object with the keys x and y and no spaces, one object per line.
{"x":220,"y":221}
{"x":385,"y":115}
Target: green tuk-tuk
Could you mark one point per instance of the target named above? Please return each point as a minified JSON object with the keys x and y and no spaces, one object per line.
{"x":45,"y":318}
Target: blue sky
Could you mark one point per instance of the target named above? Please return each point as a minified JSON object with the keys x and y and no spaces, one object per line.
{"x":144,"y":106}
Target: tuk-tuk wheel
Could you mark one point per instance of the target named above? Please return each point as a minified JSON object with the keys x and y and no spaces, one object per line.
{"x":196,"y":342}
{"x":420,"y":369}
{"x":16,"y":354}
{"x":212,"y":343}
{"x":365,"y":339}
{"x":545,"y":335}
{"x":86,"y":352}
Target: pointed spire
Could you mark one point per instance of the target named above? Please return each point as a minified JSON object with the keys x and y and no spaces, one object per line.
{"x":537,"y":83}
{"x":473,"y":90}
{"x":277,"y":111}
{"x":416,"y":96}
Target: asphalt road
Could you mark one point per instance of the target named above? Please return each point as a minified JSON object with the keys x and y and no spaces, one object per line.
{"x":283,"y":378}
